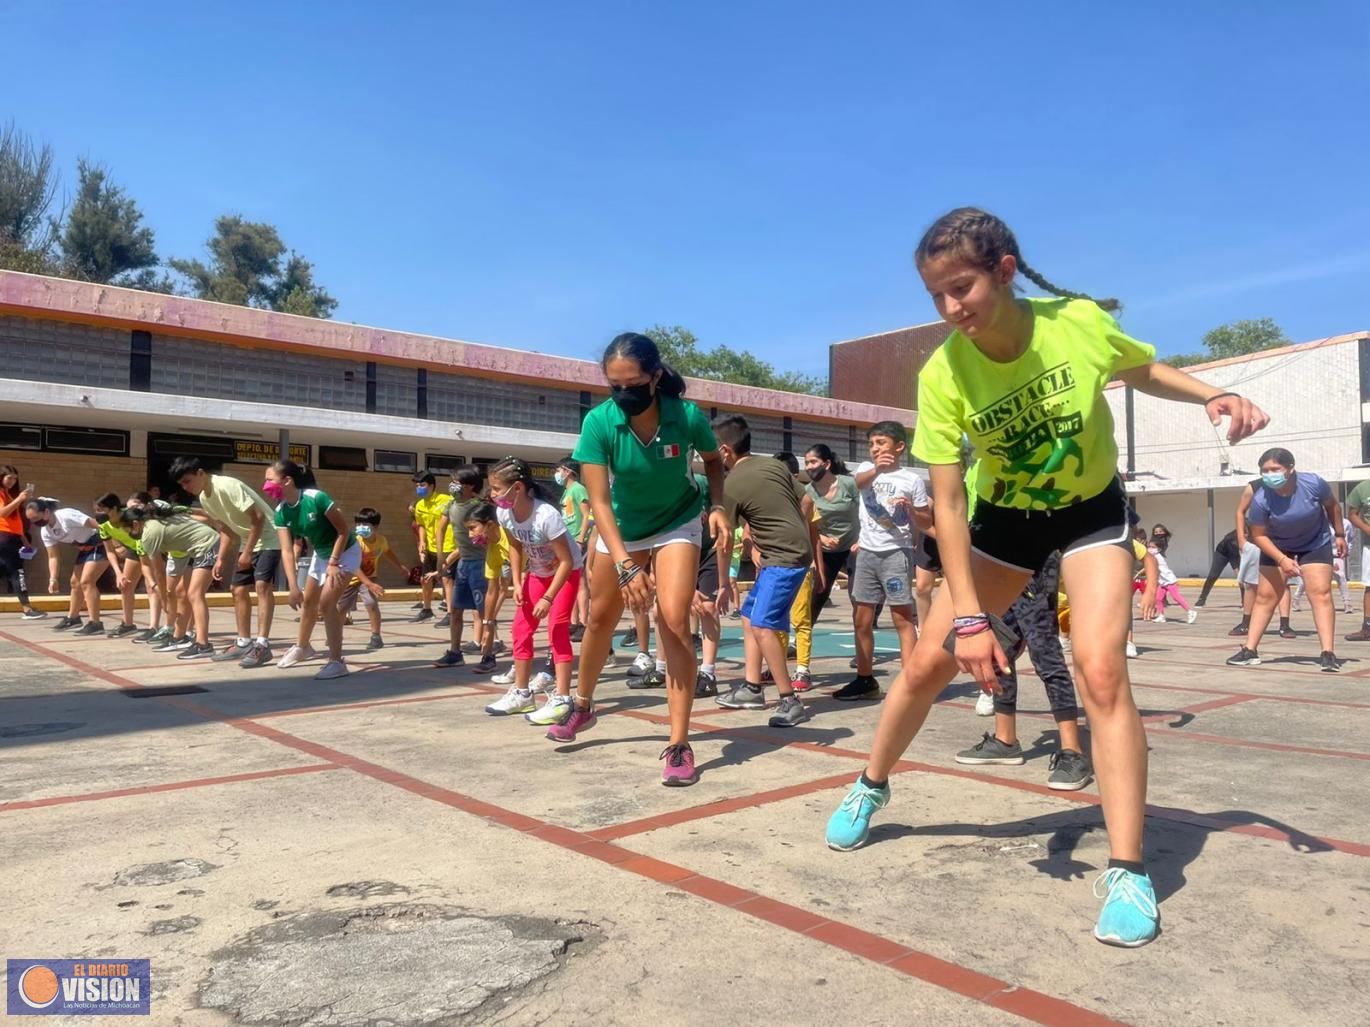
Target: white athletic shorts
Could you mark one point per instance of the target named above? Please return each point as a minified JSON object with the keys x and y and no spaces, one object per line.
{"x":692,"y":531}
{"x":349,"y":562}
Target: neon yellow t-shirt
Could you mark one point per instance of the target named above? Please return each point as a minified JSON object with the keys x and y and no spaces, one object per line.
{"x":496,"y":552}
{"x":1039,"y":425}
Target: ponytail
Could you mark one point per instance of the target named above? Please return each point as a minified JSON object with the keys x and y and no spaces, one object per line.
{"x":302,"y":476}
{"x":824,"y":452}
{"x":640,"y":348}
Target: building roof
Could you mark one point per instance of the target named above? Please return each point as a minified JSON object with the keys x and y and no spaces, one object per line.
{"x":62,"y":299}
{"x":1245,"y":358}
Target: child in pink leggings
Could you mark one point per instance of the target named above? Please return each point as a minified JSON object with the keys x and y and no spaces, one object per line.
{"x":545,"y":565}
{"x":1168,"y":588}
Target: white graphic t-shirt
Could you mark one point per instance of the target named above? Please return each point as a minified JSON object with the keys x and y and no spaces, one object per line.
{"x":885,"y":523}
{"x":535,"y":535}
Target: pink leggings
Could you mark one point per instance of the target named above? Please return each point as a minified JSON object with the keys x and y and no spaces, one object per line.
{"x":1171,"y":593}
{"x":558,"y":617}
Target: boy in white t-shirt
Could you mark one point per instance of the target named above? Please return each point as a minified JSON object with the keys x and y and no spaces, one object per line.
{"x":894,"y":511}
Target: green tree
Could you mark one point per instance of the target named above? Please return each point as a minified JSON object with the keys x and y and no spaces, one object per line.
{"x":680,"y":348}
{"x":1237,"y":339}
{"x":104,"y":239}
{"x":248,"y":266}
{"x":28,"y":188}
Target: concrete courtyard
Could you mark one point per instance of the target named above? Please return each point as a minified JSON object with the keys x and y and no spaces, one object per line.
{"x":378,"y":850}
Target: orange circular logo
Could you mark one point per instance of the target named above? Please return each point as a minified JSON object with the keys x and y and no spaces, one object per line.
{"x":38,"y":987}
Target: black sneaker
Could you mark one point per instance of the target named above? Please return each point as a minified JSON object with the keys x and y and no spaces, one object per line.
{"x":852,"y":663}
{"x":487,"y":664}
{"x":417,"y":606}
{"x":470,"y":648}
{"x":450,"y":659}
{"x":499,"y":646}
{"x":442,"y":605}
{"x":33,"y":614}
{"x":65,"y":623}
{"x":652,"y":679}
{"x":698,"y":640}
{"x":375,"y":643}
{"x":196,"y":651}
{"x":743,"y":697}
{"x":630,"y":639}
{"x":1240,"y":631}
{"x":791,"y":653}
{"x":706,"y":685}
{"x":124,"y":630}
{"x":1287,"y":632}
{"x":1198,"y":604}
{"x":422,"y":616}
{"x":1244,"y":658}
{"x":446,"y":621}
{"x":143,"y":636}
{"x":577,"y":632}
{"x":990,"y":751}
{"x":789,"y":712}
{"x":1068,"y":771}
{"x":92,"y":627}
{"x":1328,"y":662}
{"x":858,"y":688}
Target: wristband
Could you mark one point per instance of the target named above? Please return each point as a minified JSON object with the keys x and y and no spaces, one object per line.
{"x":971,"y":621}
{"x":971,"y":631}
{"x":719,"y":507}
{"x":1222,"y":395}
{"x":628,"y":575}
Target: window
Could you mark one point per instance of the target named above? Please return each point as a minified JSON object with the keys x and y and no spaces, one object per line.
{"x":391,"y":460}
{"x":20,"y":436}
{"x":342,"y":458}
{"x":442,"y":463}
{"x":86,"y":440}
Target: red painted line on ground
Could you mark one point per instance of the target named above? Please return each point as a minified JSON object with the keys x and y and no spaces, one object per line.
{"x":1203,"y":707}
{"x":123,"y":684}
{"x":1303,"y":700}
{"x":174,"y":786}
{"x":478,"y":691}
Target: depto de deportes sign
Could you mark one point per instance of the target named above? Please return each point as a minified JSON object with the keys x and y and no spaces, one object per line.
{"x":78,"y":987}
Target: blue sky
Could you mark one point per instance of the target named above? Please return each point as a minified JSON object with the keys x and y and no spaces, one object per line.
{"x":542,"y":175}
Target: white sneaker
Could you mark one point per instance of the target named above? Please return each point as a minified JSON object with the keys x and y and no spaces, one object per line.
{"x":507,"y":678}
{"x":542,"y":682}
{"x":642,"y":664}
{"x":1193,"y":616}
{"x":332,"y":669}
{"x":1131,"y":651}
{"x":1065,"y":643}
{"x":513,"y":701}
{"x":1159,"y":618}
{"x":296,"y":654}
{"x":554,"y":711}
{"x":984,"y":706}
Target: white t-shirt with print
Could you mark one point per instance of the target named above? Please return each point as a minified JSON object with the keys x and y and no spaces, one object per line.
{"x":1164,"y":575}
{"x":535,"y":535}
{"x":886,"y":526}
{"x":70,"y":527}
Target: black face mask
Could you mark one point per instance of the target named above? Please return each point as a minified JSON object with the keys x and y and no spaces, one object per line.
{"x":818,"y":474}
{"x":634,"y":399}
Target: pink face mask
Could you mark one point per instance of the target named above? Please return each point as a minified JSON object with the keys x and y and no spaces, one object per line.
{"x":273,"y":491}
{"x":505,"y":502}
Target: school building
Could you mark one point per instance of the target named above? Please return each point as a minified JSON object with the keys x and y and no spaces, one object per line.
{"x":101,"y":388}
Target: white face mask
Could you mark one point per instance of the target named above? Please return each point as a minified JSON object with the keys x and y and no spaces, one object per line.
{"x":560,"y":476}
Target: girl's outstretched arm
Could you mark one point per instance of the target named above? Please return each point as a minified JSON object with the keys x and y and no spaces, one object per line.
{"x":1166,"y":382}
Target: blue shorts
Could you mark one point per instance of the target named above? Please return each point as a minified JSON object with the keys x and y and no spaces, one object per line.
{"x":469,"y":578}
{"x":767,"y":605}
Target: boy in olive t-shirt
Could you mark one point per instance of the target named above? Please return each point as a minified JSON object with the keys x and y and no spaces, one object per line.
{"x":763,"y":494}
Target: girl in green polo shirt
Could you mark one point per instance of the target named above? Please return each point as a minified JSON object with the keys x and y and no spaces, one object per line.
{"x":642,"y":438}
{"x":1024,"y":380}
{"x":108,"y":509}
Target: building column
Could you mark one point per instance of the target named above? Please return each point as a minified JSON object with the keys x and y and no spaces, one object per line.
{"x":1212,"y":540}
{"x":285,"y":444}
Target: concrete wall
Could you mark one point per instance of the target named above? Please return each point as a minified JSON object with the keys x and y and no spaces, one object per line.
{"x":1186,"y":515}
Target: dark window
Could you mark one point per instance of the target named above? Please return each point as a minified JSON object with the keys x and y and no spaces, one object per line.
{"x":20,"y":436}
{"x":86,"y":440}
{"x":209,"y":449}
{"x":392,"y":460}
{"x":441,"y":463}
{"x":342,"y":458}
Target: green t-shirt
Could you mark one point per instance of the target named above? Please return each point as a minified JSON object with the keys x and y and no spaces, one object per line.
{"x":1039,"y":425}
{"x":652,"y":486}
{"x":571,"y":510}
{"x":307,"y":520}
{"x":838,"y":515}
{"x":110,"y":530}
{"x":177,"y":536}
{"x":1359,"y":499}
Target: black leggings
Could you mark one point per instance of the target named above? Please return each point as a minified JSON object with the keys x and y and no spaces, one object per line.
{"x":1034,"y":616}
{"x":833,"y":561}
{"x":12,"y":567}
{"x":1215,"y":571}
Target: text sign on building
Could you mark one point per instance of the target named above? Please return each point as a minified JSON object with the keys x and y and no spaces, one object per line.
{"x":256,"y":451}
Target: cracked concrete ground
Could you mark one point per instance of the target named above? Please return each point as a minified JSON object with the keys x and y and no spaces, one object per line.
{"x":379,"y":851}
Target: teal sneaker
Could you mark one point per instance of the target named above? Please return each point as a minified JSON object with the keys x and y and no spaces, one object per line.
{"x":1130,"y":916}
{"x":850,"y":825}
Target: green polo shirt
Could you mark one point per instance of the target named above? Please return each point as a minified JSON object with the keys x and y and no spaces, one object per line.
{"x":652,"y":486}
{"x":308,"y":519}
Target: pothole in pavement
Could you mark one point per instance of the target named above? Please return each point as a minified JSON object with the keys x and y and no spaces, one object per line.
{"x":145,"y":874}
{"x":390,"y":965}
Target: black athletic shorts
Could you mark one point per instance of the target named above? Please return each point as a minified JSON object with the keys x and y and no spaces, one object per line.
{"x":430,"y":562}
{"x":926,"y":557}
{"x":707,"y":581}
{"x":264,"y":565}
{"x":1318,"y":554}
{"x":1023,"y":539}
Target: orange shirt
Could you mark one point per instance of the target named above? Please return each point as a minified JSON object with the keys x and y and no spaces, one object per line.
{"x":11,"y":523}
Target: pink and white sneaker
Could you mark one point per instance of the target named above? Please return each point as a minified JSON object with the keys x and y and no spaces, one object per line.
{"x":680,"y":766}
{"x":579,"y":720}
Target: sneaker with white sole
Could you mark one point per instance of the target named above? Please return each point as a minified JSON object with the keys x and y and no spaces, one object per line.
{"x":507,"y":678}
{"x":513,"y":701}
{"x":332,"y":669}
{"x":554,"y":711}
{"x":1159,"y":619}
{"x":1129,"y":917}
{"x":1193,"y":616}
{"x":984,"y":705}
{"x":642,"y":663}
{"x":35,"y":614}
{"x":542,"y":682}
{"x":1132,"y":650}
{"x":296,"y":654}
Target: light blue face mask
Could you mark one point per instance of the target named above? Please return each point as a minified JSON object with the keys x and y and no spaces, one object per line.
{"x":560,"y":476}
{"x":362,"y":530}
{"x":1274,"y":479}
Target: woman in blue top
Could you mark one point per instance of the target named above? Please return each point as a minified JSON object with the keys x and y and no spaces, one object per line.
{"x":1296,"y":523}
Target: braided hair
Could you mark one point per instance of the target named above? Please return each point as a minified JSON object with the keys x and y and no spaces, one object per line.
{"x":985,"y":240}
{"x":512,"y":469}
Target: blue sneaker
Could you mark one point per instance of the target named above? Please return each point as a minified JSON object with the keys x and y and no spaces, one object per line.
{"x":1130,"y":916}
{"x":850,"y":825}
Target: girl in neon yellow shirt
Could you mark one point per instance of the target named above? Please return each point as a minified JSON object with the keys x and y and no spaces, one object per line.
{"x":1023,"y":380}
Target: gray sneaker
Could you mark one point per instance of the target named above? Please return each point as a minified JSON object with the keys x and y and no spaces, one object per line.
{"x":989,"y":750}
{"x":376,"y":643}
{"x":743,"y":697}
{"x":470,"y":648}
{"x":1070,"y":771}
{"x":232,"y":652}
{"x":123,"y":631}
{"x":789,"y":712}
{"x":257,"y":656}
{"x":196,"y":651}
{"x":92,"y":627}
